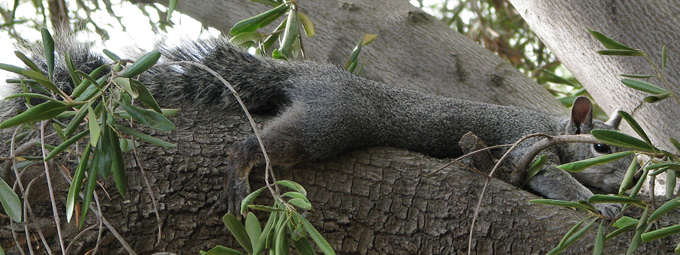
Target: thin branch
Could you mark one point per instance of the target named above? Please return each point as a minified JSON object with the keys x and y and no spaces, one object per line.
{"x":488,"y":180}
{"x":49,"y":186}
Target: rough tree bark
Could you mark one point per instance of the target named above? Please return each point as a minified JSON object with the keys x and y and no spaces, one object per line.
{"x":372,"y":201}
{"x":647,"y":25}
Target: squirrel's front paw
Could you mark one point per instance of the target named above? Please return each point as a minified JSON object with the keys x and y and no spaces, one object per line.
{"x":608,"y":210}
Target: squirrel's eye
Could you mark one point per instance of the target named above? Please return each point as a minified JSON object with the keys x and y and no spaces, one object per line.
{"x":600,"y":148}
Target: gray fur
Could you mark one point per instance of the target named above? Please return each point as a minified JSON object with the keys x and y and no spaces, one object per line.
{"x":323,"y":110}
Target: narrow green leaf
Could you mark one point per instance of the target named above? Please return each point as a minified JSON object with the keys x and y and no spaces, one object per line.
{"x":303,"y":246}
{"x":617,"y":52}
{"x":583,"y":164}
{"x":249,"y":199}
{"x":253,"y":228}
{"x":150,"y":118}
{"x":172,"y":4}
{"x":238,"y":231}
{"x":118,"y":163}
{"x":636,"y":127}
{"x":145,"y":137}
{"x":91,"y":184}
{"x":634,"y":192}
{"x":316,"y":236}
{"x":675,"y":143}
{"x":246,"y":37}
{"x":368,"y":38}
{"x":281,"y":240}
{"x":671,"y":165}
{"x":660,"y":233}
{"x":12,"y":68}
{"x":353,"y":56}
{"x":70,"y":67}
{"x":142,"y":64}
{"x":656,"y":98}
{"x":617,"y":138}
{"x":599,"y":198}
{"x":638,"y":76}
{"x":290,"y":33}
{"x":48,"y":45}
{"x":644,"y":86}
{"x":253,"y":23}
{"x":89,"y":79}
{"x":628,"y":178}
{"x":44,"y":111}
{"x":306,"y":24}
{"x":623,"y":224}
{"x":569,"y":233}
{"x":41,"y":79}
{"x":105,"y":148}
{"x":608,"y":42}
{"x":671,"y":176}
{"x":66,"y":144}
{"x":292,"y":185}
{"x":74,"y":189}
{"x":300,"y":203}
{"x":664,"y":209}
{"x":262,"y":242}
{"x":144,"y":95}
{"x":221,"y":250}
{"x":31,"y":95}
{"x":536,"y":167}
{"x":93,"y":125}
{"x":571,"y":237}
{"x":10,"y":202}
{"x":111,"y":55}
{"x":125,"y":83}
{"x":599,"y":240}
{"x":664,"y":55}
{"x":77,"y":120}
{"x":637,"y":238}
{"x":27,"y":61}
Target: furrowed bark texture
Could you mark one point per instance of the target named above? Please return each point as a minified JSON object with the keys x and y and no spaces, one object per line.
{"x":371,"y":201}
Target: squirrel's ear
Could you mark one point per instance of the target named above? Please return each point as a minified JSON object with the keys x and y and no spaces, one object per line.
{"x":581,"y":117}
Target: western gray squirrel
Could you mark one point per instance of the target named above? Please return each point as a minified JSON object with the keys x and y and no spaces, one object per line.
{"x":321,"y":111}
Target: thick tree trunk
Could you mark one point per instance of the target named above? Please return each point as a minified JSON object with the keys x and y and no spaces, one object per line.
{"x":648,"y":25}
{"x":372,"y":201}
{"x":413,"y":49}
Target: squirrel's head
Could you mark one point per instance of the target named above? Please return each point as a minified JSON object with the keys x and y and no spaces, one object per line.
{"x":605,"y":177}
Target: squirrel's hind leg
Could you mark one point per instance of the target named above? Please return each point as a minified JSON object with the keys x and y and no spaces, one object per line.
{"x":281,"y":141}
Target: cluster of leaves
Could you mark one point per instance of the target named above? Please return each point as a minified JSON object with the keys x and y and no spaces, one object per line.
{"x":285,"y":225}
{"x":287,"y":33}
{"x":496,"y":25}
{"x":660,"y":161}
{"x":95,"y":110}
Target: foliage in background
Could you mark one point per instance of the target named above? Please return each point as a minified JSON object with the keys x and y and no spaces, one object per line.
{"x":655,"y":161}
{"x":496,"y":25}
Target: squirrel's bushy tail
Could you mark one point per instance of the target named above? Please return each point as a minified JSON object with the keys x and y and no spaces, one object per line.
{"x":259,"y":81}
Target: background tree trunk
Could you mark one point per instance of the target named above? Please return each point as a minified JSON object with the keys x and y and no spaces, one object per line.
{"x":647,"y":25}
{"x":372,"y":201}
{"x":413,"y":49}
